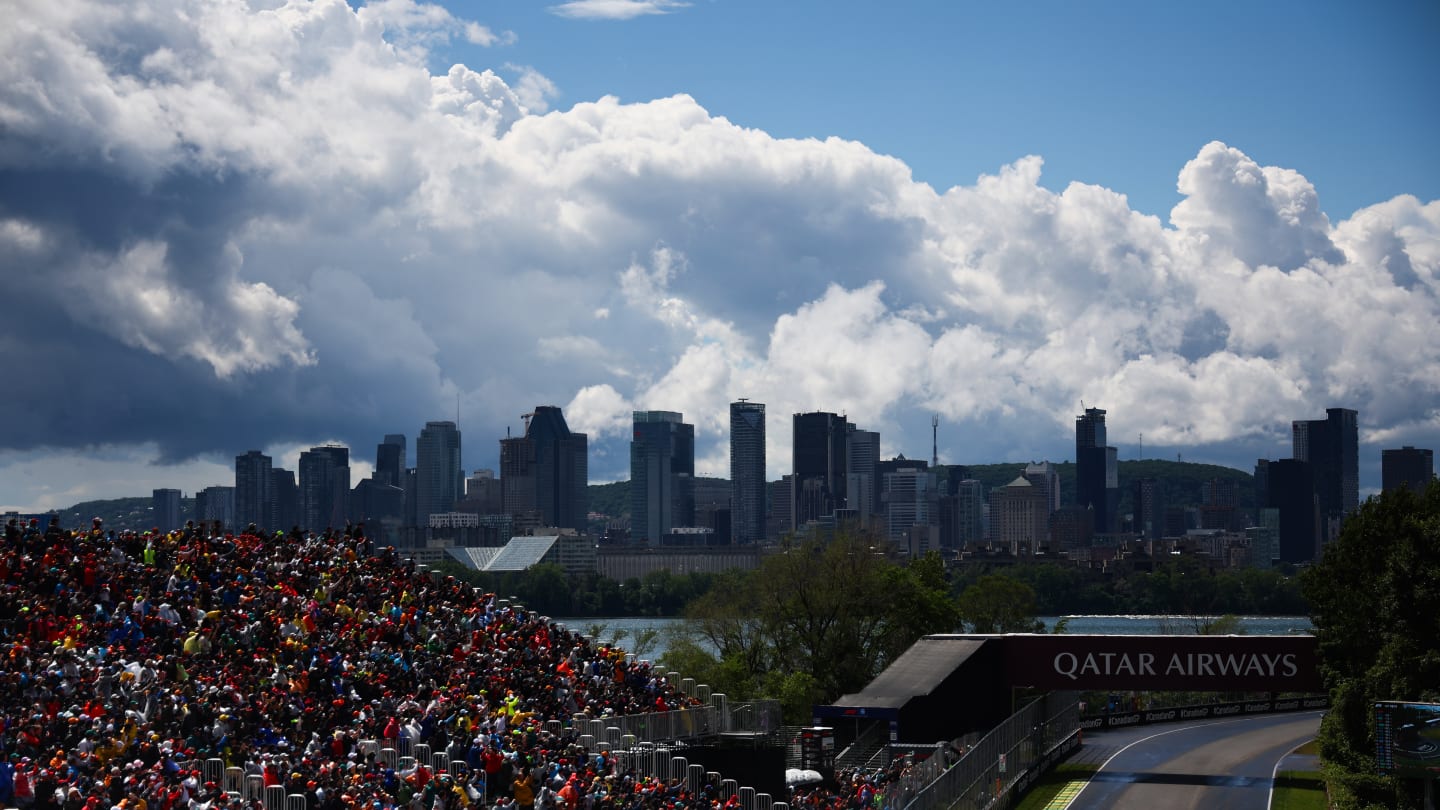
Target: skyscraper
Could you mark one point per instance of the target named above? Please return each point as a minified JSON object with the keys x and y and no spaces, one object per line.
{"x":286,"y":499}
{"x":910,"y":499}
{"x":1019,"y":517}
{"x":390,"y":460}
{"x":1290,"y":491}
{"x":324,"y":487}
{"x":254,"y":491}
{"x":1149,"y":505}
{"x":547,"y":470}
{"x":1096,"y":477}
{"x":662,"y":475}
{"x":1332,"y":447}
{"x":862,"y":484}
{"x":1407,"y":467}
{"x":165,"y":509}
{"x":438,"y":477}
{"x":747,"y":471}
{"x":819,"y":442}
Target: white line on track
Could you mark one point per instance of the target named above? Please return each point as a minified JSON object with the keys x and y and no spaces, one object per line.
{"x":1275,"y":772}
{"x":1107,"y":762}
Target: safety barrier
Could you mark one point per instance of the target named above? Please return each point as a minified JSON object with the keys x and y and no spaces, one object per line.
{"x":994,"y":764}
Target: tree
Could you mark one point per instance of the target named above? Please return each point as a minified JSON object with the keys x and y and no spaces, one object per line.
{"x":999,"y":603}
{"x":817,"y":620}
{"x":1375,"y":603}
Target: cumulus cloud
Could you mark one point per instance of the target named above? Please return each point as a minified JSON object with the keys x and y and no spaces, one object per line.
{"x":235,"y":228}
{"x":615,"y":9}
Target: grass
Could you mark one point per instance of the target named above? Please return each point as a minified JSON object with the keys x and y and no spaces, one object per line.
{"x":1311,"y":748}
{"x":1044,"y":791}
{"x":1299,"y":790}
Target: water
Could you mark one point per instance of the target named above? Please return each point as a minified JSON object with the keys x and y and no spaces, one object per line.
{"x":1075,"y":625}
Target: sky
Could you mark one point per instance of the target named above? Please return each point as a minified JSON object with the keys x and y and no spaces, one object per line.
{"x":230,"y":225}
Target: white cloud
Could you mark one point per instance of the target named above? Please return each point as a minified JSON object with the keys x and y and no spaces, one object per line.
{"x":284,"y":214}
{"x":615,"y":9}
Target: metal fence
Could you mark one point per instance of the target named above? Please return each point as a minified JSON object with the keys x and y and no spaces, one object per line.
{"x":760,"y":716}
{"x":988,"y":769}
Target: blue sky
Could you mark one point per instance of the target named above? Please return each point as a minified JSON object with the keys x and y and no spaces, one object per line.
{"x":1114,"y":93}
{"x":269,"y":225}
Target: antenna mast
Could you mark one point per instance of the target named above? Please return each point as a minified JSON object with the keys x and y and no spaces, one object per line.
{"x":935,"y":440}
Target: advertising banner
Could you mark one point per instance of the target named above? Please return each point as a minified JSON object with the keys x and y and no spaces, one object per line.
{"x":1164,"y":663}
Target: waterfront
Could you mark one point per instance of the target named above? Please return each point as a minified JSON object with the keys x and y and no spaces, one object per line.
{"x":631,"y":627}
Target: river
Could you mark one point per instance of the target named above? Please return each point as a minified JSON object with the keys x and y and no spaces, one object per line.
{"x":1074,"y":625}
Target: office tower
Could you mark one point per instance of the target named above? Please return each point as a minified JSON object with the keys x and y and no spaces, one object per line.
{"x":483,"y":493}
{"x":254,"y":492}
{"x":216,"y":505}
{"x":1407,"y":467}
{"x":662,"y":475}
{"x":1332,"y":448}
{"x":438,"y":477}
{"x":1149,"y":507}
{"x":1019,"y":516}
{"x":712,"y":508}
{"x":862,"y":484}
{"x":390,"y":460}
{"x":286,"y":502}
{"x":818,"y":456}
{"x":324,"y":487}
{"x":1046,"y":478}
{"x":780,"y":518}
{"x":1290,"y":490}
{"x":969,"y":513}
{"x":910,"y":499}
{"x":380,"y":506}
{"x":165,"y":508}
{"x":747,"y":471}
{"x":1220,"y":505}
{"x":1096,"y":476}
{"x":547,"y":470}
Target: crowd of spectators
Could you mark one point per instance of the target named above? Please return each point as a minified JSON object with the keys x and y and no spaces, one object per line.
{"x":131,"y":659}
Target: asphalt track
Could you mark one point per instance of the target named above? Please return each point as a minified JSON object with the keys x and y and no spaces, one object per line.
{"x":1214,"y":764}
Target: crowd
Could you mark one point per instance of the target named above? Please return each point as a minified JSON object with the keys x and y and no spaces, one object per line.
{"x":131,"y":659}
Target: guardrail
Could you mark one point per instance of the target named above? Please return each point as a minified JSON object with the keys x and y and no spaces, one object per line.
{"x":1002,"y":758}
{"x":1204,"y":712}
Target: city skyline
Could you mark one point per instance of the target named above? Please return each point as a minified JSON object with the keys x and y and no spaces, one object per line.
{"x":237,"y":228}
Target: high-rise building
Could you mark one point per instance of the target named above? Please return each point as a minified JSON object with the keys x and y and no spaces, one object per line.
{"x":165,"y":509}
{"x":1149,"y":504}
{"x":547,"y":470}
{"x":483,"y":494}
{"x":1290,"y":491}
{"x":324,"y":487}
{"x":862,"y":485}
{"x":1332,"y":448}
{"x":1220,"y":505}
{"x":254,"y":491}
{"x":287,"y":499}
{"x":439,"y":480}
{"x":1019,"y":518}
{"x":216,"y":505}
{"x":819,"y":442}
{"x":911,"y":499}
{"x":1097,"y":480}
{"x":390,"y":460}
{"x":1047,"y":479}
{"x":747,"y":471}
{"x":969,"y":513}
{"x":662,"y":475}
{"x":1407,"y":467}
